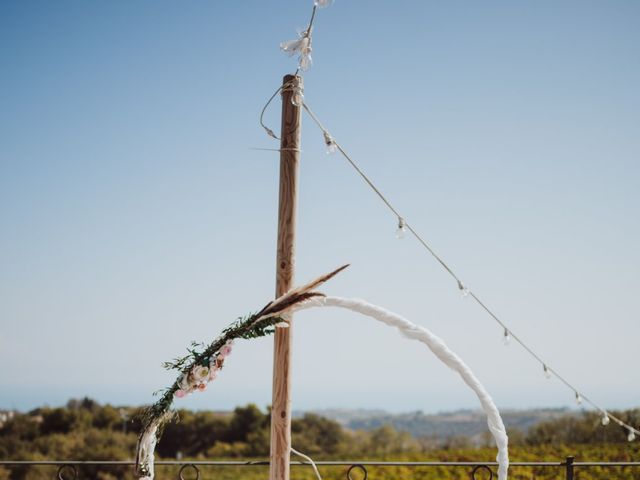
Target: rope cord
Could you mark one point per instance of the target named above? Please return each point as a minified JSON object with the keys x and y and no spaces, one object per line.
{"x":308,"y":459}
{"x":264,"y":109}
{"x":307,"y":34}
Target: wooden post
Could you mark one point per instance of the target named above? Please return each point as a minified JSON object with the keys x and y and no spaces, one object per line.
{"x":285,"y":268}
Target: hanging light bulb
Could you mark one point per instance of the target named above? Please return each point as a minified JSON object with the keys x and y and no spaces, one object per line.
{"x":305,"y":61}
{"x":632,"y":435}
{"x":401,"y":231}
{"x":578,"y":399}
{"x":464,"y":291}
{"x":332,"y":146}
{"x":605,"y":419}
{"x":547,"y":372}
{"x":506,"y":337}
{"x":297,"y":97}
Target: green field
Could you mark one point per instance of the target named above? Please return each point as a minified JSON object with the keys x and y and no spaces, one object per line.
{"x":85,"y":430}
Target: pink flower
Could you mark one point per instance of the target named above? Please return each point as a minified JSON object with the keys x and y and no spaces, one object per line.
{"x":225,"y":351}
{"x":213,"y":374}
{"x":202,"y":387}
{"x":180,"y":393}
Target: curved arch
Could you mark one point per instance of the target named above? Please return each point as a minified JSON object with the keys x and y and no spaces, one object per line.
{"x":440,"y":350}
{"x":305,"y":300}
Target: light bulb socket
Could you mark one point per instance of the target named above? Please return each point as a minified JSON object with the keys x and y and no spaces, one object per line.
{"x":297,"y":98}
{"x":332,"y":146}
{"x":297,"y":93}
{"x":401,"y":231}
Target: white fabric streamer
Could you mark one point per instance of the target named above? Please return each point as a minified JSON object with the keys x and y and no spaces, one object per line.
{"x":146,"y":451}
{"x":438,"y":347}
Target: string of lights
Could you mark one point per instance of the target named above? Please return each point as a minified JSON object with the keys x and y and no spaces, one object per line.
{"x":403,"y":227}
{"x":302,"y":47}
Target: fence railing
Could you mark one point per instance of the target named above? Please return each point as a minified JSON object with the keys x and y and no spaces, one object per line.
{"x":353,"y":470}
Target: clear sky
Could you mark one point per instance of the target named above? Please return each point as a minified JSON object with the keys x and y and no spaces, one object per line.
{"x":134,"y":216}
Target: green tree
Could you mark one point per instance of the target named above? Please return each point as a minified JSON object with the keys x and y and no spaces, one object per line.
{"x":315,"y":434}
{"x":244,"y":421}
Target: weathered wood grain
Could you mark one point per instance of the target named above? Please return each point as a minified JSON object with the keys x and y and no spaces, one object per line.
{"x":285,"y":269}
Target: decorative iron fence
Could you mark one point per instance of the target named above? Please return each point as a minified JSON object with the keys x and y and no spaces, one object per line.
{"x":566,"y":469}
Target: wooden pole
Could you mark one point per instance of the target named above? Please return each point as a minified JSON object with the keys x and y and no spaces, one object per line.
{"x":285,"y":268}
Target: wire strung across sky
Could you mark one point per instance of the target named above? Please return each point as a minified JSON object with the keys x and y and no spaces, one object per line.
{"x":302,"y":47}
{"x":332,"y":144}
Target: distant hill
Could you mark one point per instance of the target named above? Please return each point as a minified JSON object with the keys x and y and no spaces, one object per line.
{"x":441,"y":425}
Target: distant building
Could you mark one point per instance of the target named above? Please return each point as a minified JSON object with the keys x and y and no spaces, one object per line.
{"x":5,"y":416}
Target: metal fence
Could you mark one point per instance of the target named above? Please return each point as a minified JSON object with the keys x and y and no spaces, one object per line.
{"x":353,"y":470}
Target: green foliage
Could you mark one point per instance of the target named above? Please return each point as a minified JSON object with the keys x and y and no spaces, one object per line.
{"x":193,"y":434}
{"x":586,"y":429}
{"x":200,"y":354}
{"x":314,"y":435}
{"x":85,"y":430}
{"x":245,"y":421}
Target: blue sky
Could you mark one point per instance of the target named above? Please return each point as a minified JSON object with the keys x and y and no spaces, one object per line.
{"x":134,"y":216}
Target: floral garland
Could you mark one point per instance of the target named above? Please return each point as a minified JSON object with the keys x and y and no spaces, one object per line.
{"x":202,"y":364}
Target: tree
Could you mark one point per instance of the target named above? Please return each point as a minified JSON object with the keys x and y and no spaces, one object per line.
{"x":244,"y":421}
{"x":315,"y":434}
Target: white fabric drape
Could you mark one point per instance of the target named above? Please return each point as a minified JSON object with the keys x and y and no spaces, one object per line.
{"x":440,"y":350}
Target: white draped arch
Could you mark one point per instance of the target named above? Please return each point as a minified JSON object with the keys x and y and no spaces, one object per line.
{"x":440,"y":350}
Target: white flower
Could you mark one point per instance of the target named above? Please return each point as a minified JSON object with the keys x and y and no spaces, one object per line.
{"x":200,"y":373}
